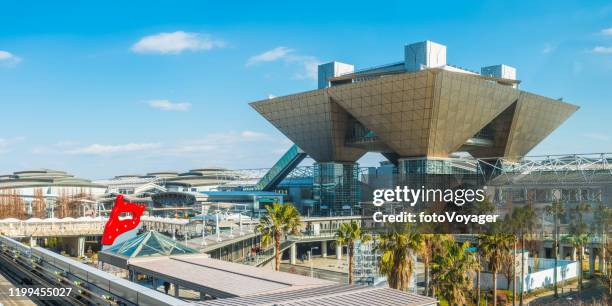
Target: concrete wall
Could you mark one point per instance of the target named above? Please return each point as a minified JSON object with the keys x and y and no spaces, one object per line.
{"x":532,"y":281}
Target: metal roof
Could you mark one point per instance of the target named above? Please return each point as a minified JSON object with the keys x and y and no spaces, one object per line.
{"x":113,"y":281}
{"x":330,"y":295}
{"x":220,"y":278}
{"x":243,"y":193}
{"x":44,"y":178}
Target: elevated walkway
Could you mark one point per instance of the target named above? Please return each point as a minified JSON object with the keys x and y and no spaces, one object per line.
{"x":71,"y":227}
{"x":88,"y":285}
{"x":293,"y":157}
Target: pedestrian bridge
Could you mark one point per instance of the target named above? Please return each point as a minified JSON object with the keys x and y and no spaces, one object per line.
{"x":83,"y":226}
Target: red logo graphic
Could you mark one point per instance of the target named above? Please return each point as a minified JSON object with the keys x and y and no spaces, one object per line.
{"x":115,"y":227}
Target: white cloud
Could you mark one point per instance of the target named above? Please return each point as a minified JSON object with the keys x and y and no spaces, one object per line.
{"x":221,"y":143}
{"x":168,"y":105}
{"x":9,"y":59}
{"x":270,"y":55}
{"x":601,"y":49}
{"x":175,"y":43}
{"x":309,"y":63}
{"x":606,"y":32}
{"x":252,"y":135}
{"x":597,"y":136}
{"x":108,"y":149}
{"x":548,"y":48}
{"x":7,"y":143}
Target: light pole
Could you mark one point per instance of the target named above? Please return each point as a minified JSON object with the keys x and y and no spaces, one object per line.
{"x":310,"y":259}
{"x":240,"y":223}
{"x":231,"y":235}
{"x":203,"y":227}
{"x":217,"y":227}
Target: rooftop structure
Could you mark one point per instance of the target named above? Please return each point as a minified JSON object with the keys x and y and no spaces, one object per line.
{"x":417,"y":113}
{"x":236,"y":284}
{"x":148,"y":244}
{"x":195,"y":180}
{"x":44,"y":193}
{"x":331,"y":295}
{"x":219,"y":278}
{"x":44,"y":178}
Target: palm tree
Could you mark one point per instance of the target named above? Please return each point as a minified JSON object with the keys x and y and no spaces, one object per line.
{"x":451,"y":272}
{"x":493,"y":247}
{"x":577,"y":241}
{"x":280,"y":220}
{"x":603,"y":221}
{"x":347,"y":234}
{"x":523,"y":221}
{"x":579,"y":211}
{"x":396,"y":262}
{"x":556,"y":209}
{"x":432,"y":244}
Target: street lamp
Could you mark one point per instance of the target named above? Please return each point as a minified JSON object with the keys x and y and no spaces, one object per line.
{"x":231,"y":224}
{"x":240,"y":223}
{"x":217,"y":226}
{"x":203,"y":227}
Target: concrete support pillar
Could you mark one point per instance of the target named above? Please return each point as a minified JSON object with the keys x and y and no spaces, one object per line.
{"x":602,"y":261}
{"x":324,"y":249}
{"x":591,"y":260}
{"x":202,"y":296}
{"x":154,"y":283}
{"x":293,"y":254}
{"x":81,"y":247}
{"x":338,"y":251}
{"x":176,"y":290}
{"x":32,"y":242}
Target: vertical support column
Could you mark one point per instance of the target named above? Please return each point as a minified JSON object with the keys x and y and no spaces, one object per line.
{"x":338,"y":251}
{"x":176,"y":290}
{"x":293,"y":254}
{"x":154,"y":283}
{"x":324,"y":249}
{"x":591,"y":260}
{"x":32,"y":242}
{"x":574,"y":254}
{"x":543,"y":251}
{"x":602,"y":262}
{"x":81,"y":246}
{"x":202,"y":296}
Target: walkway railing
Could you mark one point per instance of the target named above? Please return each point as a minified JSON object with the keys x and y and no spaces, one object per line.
{"x":91,"y":285}
{"x":265,"y":256}
{"x":46,"y":228}
{"x":322,"y":235}
{"x":83,"y":226}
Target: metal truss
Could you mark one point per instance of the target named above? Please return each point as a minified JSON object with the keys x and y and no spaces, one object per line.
{"x":551,"y":169}
{"x":582,"y":169}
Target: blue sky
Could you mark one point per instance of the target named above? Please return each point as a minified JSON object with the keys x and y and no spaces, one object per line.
{"x":106,"y":88}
